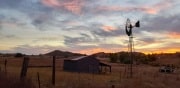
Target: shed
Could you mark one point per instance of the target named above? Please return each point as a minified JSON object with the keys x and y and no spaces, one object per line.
{"x":87,"y":64}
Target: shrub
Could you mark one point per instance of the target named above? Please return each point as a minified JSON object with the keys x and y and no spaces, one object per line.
{"x":124,"y":57}
{"x":151,"y":57}
{"x":113,"y":58}
{"x":19,"y":55}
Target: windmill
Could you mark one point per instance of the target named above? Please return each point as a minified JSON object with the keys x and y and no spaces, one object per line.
{"x":128,"y":29}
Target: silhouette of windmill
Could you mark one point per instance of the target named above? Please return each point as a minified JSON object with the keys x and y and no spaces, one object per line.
{"x":128,"y":29}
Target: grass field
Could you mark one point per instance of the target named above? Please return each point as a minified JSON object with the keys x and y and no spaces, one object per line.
{"x":144,"y":76}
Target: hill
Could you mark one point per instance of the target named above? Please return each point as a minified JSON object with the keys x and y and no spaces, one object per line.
{"x":63,"y":53}
{"x":101,"y":54}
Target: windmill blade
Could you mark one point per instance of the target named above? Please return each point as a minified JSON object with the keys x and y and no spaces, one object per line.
{"x":128,"y":30}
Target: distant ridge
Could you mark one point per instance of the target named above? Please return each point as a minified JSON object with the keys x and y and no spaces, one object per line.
{"x":63,"y":53}
{"x":101,"y":54}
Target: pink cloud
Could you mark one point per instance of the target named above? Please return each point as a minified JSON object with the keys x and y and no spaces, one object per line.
{"x":153,"y":9}
{"x":74,"y":6}
{"x":163,"y":4}
{"x":174,"y":35}
{"x":108,"y":28}
{"x":119,"y":8}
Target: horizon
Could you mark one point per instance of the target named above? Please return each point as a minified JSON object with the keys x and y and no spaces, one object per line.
{"x":93,"y":53}
{"x":88,"y":26}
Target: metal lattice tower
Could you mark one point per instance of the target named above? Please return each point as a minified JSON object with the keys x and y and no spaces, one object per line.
{"x":128,"y":29}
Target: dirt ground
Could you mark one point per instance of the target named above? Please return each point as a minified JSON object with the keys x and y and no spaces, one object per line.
{"x":144,"y":76}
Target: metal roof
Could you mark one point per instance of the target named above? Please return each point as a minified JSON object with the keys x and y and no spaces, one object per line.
{"x":78,"y":58}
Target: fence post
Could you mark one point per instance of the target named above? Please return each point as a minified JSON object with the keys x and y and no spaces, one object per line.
{"x":113,"y":86}
{"x":24,"y":67}
{"x":53,"y":70}
{"x":5,"y":65}
{"x":39,"y":84}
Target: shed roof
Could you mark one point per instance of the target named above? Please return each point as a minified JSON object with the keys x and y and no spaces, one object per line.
{"x":78,"y":58}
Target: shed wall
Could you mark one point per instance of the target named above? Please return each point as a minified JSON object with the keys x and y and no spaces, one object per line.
{"x":87,"y":64}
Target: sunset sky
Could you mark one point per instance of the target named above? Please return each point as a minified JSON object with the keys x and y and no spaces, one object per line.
{"x":88,"y":26}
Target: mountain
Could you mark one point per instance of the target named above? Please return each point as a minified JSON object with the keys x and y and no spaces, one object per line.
{"x":101,"y":54}
{"x":63,"y":53}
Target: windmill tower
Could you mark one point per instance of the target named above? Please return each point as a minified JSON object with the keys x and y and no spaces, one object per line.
{"x":128,"y":29}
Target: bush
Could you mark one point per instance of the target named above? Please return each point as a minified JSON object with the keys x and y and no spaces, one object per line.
{"x":19,"y":55}
{"x":124,"y":57}
{"x":113,"y":57}
{"x":151,"y":57}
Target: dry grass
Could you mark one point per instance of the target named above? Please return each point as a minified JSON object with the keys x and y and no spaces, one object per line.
{"x":144,"y":76}
{"x":12,"y":81}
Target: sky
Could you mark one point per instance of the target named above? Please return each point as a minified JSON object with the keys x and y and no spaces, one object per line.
{"x":88,"y":26}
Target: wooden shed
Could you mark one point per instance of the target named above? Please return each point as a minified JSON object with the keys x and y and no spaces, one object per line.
{"x":87,"y":64}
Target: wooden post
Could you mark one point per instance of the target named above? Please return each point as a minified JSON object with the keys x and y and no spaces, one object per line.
{"x":79,"y":79}
{"x":120,"y":77}
{"x":38,"y":78}
{"x":24,"y":67}
{"x":53,"y":70}
{"x":5,"y":65}
{"x":113,"y":86}
{"x":101,"y":68}
{"x":110,"y":68}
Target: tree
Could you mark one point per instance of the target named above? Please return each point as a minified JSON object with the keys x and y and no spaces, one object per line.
{"x":19,"y":55}
{"x":151,"y":57}
{"x":113,"y":57}
{"x":124,"y":57}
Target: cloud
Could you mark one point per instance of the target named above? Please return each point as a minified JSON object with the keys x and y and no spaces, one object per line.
{"x":28,"y":49}
{"x":99,"y":49}
{"x":8,"y":37}
{"x":10,"y":3}
{"x":160,"y":50}
{"x":13,"y":18}
{"x":163,"y":5}
{"x":48,"y":39}
{"x":94,"y":50}
{"x":89,"y":45}
{"x":74,"y":6}
{"x":40,"y":21}
{"x":159,"y":46}
{"x":174,"y":35}
{"x":161,"y":23}
{"x":109,"y":9}
{"x":147,"y":40}
{"x":87,"y":25}
{"x":108,"y":28}
{"x":11,"y":37}
{"x":95,"y":7}
{"x":83,"y":40}
{"x":150,"y":9}
{"x":107,"y":31}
